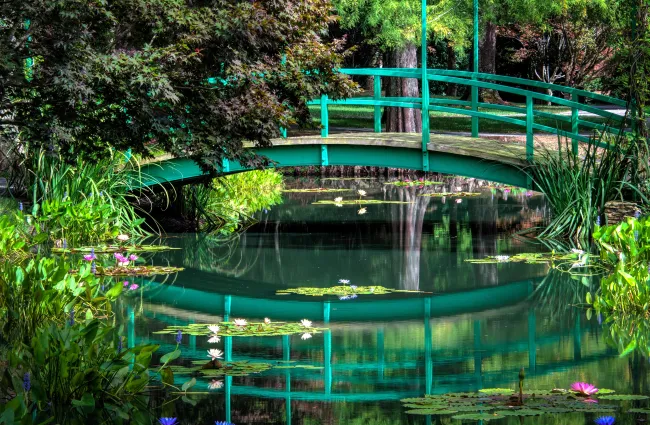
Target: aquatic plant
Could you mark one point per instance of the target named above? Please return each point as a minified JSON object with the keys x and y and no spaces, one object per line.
{"x":134,"y":270}
{"x":267,"y":321}
{"x":412,"y":183}
{"x":240,"y":322}
{"x":110,"y":249}
{"x":168,"y":421}
{"x":340,"y":291}
{"x":577,"y":186}
{"x":305,"y":336}
{"x":306,"y":323}
{"x":315,"y":190}
{"x":358,"y":202}
{"x":214,"y":328}
{"x":605,"y":420}
{"x":214,"y":339}
{"x":361,"y":192}
{"x":215,"y":353}
{"x":252,"y":329}
{"x":563,"y":261}
{"x":362,"y":211}
{"x":215,"y":384}
{"x":223,"y":423}
{"x":179,"y":337}
{"x":584,"y":389}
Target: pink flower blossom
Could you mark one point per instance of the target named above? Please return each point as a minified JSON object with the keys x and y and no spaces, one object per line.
{"x":133,"y":257}
{"x":133,"y":287}
{"x":584,"y":389}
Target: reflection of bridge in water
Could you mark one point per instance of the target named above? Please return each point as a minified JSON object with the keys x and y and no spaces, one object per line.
{"x":429,"y":364}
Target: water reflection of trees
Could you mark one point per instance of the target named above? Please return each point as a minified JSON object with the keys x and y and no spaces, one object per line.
{"x":421,"y":244}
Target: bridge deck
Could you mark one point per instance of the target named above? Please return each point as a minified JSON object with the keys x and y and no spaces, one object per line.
{"x":466,"y":156}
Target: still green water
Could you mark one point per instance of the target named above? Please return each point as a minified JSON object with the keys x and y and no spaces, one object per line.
{"x":476,"y":326}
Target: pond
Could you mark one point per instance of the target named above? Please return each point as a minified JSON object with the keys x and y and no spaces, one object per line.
{"x":457,"y":327}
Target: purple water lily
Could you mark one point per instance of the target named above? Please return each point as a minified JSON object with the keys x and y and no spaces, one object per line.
{"x":584,"y":389}
{"x":133,"y":287}
{"x":20,"y":206}
{"x":27,"y":382}
{"x":605,"y":420}
{"x":168,"y":421}
{"x":223,"y":423}
{"x":179,"y":337}
{"x":125,"y":283}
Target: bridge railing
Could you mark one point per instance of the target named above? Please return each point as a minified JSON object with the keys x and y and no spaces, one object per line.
{"x":575,"y":100}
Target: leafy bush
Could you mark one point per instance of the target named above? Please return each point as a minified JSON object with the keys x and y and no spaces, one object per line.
{"x":78,"y":371}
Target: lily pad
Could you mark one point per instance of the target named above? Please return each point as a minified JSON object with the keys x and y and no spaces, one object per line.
{"x":623,"y":397}
{"x":111,"y":249}
{"x":250,"y":329}
{"x":431,"y":412}
{"x":646,"y":411}
{"x":519,"y":412}
{"x":135,"y":270}
{"x":478,"y":416}
{"x":530,"y":258}
{"x":494,"y":391}
{"x":358,"y":202}
{"x":238,"y":368}
{"x":343,"y":290}
{"x":315,"y":190}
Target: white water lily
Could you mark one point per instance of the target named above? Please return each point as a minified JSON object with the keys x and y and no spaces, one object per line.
{"x":344,"y":281}
{"x":339,"y":199}
{"x":267,"y":321}
{"x":215,"y":385}
{"x":123,"y":238}
{"x":214,"y":328}
{"x":306,"y":335}
{"x":458,"y":201}
{"x":362,"y":211}
{"x":215,"y":353}
{"x":306,"y":323}
{"x":353,"y":287}
{"x":502,"y":257}
{"x":338,"y":205}
{"x":578,"y":264}
{"x":214,"y":339}
{"x":577,"y":251}
{"x":240,"y":322}
{"x":361,"y":192}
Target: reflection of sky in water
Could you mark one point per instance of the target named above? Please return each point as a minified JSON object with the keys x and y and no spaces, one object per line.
{"x":476,"y":331}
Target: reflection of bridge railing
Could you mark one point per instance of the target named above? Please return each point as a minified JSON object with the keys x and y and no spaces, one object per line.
{"x":471,"y":108}
{"x":429,"y":361}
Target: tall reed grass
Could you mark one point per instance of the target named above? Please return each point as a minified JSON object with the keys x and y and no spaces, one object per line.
{"x":577,"y":186}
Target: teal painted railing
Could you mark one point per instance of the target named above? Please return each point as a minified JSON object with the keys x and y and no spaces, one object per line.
{"x":577,"y":103}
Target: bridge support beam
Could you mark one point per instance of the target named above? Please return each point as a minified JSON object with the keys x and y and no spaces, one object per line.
{"x":575,"y":123}
{"x":425,"y":92}
{"x":475,"y":56}
{"x":529,"y":128}
{"x":377,"y":96}
{"x":324,"y":117}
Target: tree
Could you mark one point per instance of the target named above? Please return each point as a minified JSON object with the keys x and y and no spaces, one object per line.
{"x":195,"y":78}
{"x":395,"y":27}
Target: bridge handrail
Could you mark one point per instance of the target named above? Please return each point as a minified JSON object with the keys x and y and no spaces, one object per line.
{"x":416,"y":73}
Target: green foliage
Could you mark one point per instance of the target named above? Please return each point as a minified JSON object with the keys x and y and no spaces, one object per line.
{"x":628,"y":240}
{"x":86,"y":201}
{"x":75,"y":371}
{"x":412,"y":183}
{"x":193,"y":79}
{"x":577,"y":187}
{"x":228,"y":202}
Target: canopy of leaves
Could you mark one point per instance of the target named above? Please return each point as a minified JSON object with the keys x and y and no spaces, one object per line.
{"x":194,"y":78}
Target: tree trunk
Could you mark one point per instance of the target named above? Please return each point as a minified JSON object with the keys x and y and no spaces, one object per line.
{"x":452,"y":89}
{"x":403,"y":120}
{"x":488,"y":59}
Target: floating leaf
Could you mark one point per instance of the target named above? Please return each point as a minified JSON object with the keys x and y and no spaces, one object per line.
{"x":315,"y":190}
{"x":110,"y":249}
{"x":646,"y":411}
{"x":343,"y":290}
{"x":251,"y":329}
{"x":478,"y":416}
{"x":623,"y":397}
{"x":451,"y":194}
{"x":431,"y":412}
{"x":412,"y":183}
{"x":359,"y":202}
{"x":519,"y":412}
{"x":495,"y":391}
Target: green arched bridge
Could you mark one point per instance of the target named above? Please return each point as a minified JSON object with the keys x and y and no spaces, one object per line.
{"x":465,"y":156}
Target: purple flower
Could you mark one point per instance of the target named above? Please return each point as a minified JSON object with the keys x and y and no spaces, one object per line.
{"x":71,"y":318}
{"x":119,"y":345}
{"x":344,"y":297}
{"x":584,"y":389}
{"x":65,"y":244}
{"x":93,"y":270}
{"x":27,"y":382}
{"x":168,"y":421}
{"x":133,"y":257}
{"x":637,"y":215}
{"x":598,"y":221}
{"x":125,"y":283}
{"x":605,"y":420}
{"x":179,"y":337}
{"x":90,"y":257}
{"x":353,"y":296}
{"x":600,"y":319}
{"x":20,"y":206}
{"x":133,"y":287}
{"x":223,"y":423}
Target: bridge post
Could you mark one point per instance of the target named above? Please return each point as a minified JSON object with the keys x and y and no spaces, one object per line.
{"x":475,"y":88}
{"x":425,"y":92}
{"x":377,"y":96}
{"x":575,"y":120}
{"x":529,"y":128}
{"x":324,"y":117}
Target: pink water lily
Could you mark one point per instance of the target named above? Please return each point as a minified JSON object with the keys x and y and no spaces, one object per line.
{"x":133,"y":287}
{"x":584,"y":389}
{"x":133,"y":257}
{"x":90,"y":257}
